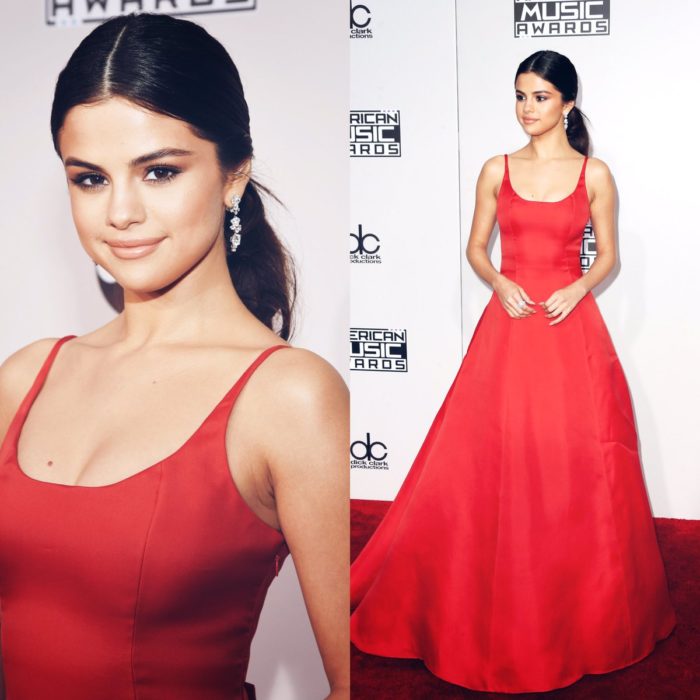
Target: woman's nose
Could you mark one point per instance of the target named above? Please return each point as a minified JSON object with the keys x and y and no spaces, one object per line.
{"x":124,"y":208}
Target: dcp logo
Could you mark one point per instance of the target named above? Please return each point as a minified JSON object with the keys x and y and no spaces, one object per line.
{"x":360,"y":19}
{"x":368,"y":449}
{"x":368,"y":454}
{"x":365,"y":247}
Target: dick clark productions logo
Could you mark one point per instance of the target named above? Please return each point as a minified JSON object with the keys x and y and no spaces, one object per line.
{"x":360,"y":19}
{"x":368,"y":454}
{"x":561,"y":18}
{"x":365,"y":247}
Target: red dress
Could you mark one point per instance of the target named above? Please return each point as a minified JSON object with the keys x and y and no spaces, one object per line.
{"x":520,"y":552}
{"x":149,"y":588}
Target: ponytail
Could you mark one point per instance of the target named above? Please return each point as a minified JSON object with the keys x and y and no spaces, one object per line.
{"x":261,"y":269}
{"x":577,"y":133}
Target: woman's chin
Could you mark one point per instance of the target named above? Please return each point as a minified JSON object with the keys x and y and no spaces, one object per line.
{"x":143,"y":283}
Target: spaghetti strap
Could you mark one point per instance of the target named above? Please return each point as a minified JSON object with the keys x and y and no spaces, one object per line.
{"x":505,"y":172}
{"x":224,"y":407}
{"x":43,"y":372}
{"x":582,"y":176}
{"x":28,"y":399}
{"x":255,"y":364}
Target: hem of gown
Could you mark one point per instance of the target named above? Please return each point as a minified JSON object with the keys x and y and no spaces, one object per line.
{"x":542,"y":689}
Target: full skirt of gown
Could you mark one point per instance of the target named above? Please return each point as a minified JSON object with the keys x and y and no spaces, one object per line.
{"x":520,"y":552}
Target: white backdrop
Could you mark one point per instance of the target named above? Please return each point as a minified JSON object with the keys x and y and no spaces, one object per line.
{"x":298,"y":107}
{"x":637,"y":87}
{"x":411,"y":203}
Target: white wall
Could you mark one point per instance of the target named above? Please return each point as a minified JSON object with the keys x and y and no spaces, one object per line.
{"x":412,"y":204}
{"x":294,"y":61}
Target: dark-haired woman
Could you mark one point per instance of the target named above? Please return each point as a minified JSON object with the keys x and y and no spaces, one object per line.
{"x":156,"y":471}
{"x":520,"y":552}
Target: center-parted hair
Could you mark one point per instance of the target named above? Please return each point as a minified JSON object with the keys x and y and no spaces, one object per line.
{"x":557,"y":69}
{"x":175,"y":67}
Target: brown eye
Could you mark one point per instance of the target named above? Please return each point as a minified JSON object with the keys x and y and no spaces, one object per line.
{"x":82,"y":181}
{"x":159,"y":170}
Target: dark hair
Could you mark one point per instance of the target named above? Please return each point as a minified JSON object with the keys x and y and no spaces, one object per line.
{"x":559,"y":70}
{"x":176,"y":68}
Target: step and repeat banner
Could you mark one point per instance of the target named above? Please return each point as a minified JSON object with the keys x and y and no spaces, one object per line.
{"x":298,"y":105}
{"x":405,"y":257}
{"x":432,"y":98}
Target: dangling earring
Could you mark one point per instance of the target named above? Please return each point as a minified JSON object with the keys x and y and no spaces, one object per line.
{"x":235,"y":224}
{"x":566,"y":120}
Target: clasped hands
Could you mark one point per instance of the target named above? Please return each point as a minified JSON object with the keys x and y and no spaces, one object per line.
{"x":560,"y":303}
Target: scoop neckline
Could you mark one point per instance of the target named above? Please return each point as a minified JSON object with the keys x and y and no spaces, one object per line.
{"x":14,"y":445}
{"x":581,"y":179}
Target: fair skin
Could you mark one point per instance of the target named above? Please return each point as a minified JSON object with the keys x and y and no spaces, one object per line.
{"x":546,"y":169}
{"x":156,"y":370}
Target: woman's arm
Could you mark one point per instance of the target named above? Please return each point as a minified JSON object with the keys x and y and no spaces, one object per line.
{"x":600,"y":185}
{"x":484,"y":219}
{"x":309,"y":470}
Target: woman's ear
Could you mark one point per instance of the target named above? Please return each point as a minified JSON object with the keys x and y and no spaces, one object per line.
{"x":237,"y":181}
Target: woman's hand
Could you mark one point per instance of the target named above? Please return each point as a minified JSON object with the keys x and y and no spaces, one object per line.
{"x":513,"y":297}
{"x":561,"y":302}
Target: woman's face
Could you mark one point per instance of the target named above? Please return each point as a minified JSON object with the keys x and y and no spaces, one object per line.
{"x":538,"y":104}
{"x":146,"y":194}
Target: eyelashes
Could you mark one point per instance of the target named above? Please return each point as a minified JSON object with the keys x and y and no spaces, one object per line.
{"x":83,"y":179}
{"x":539,"y":98}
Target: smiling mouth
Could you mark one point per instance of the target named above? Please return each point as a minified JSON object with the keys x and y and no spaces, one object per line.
{"x":133,"y":248}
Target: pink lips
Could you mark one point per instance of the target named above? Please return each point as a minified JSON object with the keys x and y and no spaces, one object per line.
{"x":133,"y":248}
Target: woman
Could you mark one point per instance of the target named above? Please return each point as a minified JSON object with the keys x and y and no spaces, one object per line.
{"x":139,"y":526}
{"x":520,"y":552}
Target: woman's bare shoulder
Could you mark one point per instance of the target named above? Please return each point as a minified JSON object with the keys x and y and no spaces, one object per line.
{"x":301,"y":377}
{"x":494,"y":165}
{"x":303,"y":397}
{"x":598,"y":175}
{"x":598,"y":167}
{"x":17,"y":373}
{"x":492,"y":172}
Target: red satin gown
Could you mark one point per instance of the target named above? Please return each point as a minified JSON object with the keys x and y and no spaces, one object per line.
{"x":520,"y":552}
{"x":146,"y":589}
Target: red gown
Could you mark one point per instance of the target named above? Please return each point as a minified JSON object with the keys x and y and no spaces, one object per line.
{"x":520,"y":552}
{"x":149,"y":588}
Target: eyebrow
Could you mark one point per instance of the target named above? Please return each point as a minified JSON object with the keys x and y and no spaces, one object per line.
{"x":140,"y":160}
{"x":535,"y":92}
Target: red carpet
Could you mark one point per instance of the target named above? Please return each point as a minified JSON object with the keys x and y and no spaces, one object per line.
{"x":670,"y":672}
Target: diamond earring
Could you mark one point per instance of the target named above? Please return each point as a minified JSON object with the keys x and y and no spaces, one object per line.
{"x":235,"y":224}
{"x":566,"y":120}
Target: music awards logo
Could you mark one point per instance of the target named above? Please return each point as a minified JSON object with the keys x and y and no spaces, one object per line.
{"x":368,"y":454}
{"x":379,"y":349}
{"x":588,"y":248}
{"x":70,"y":13}
{"x":375,"y":133}
{"x":360,"y":20}
{"x":561,"y":18}
{"x":365,"y":247}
